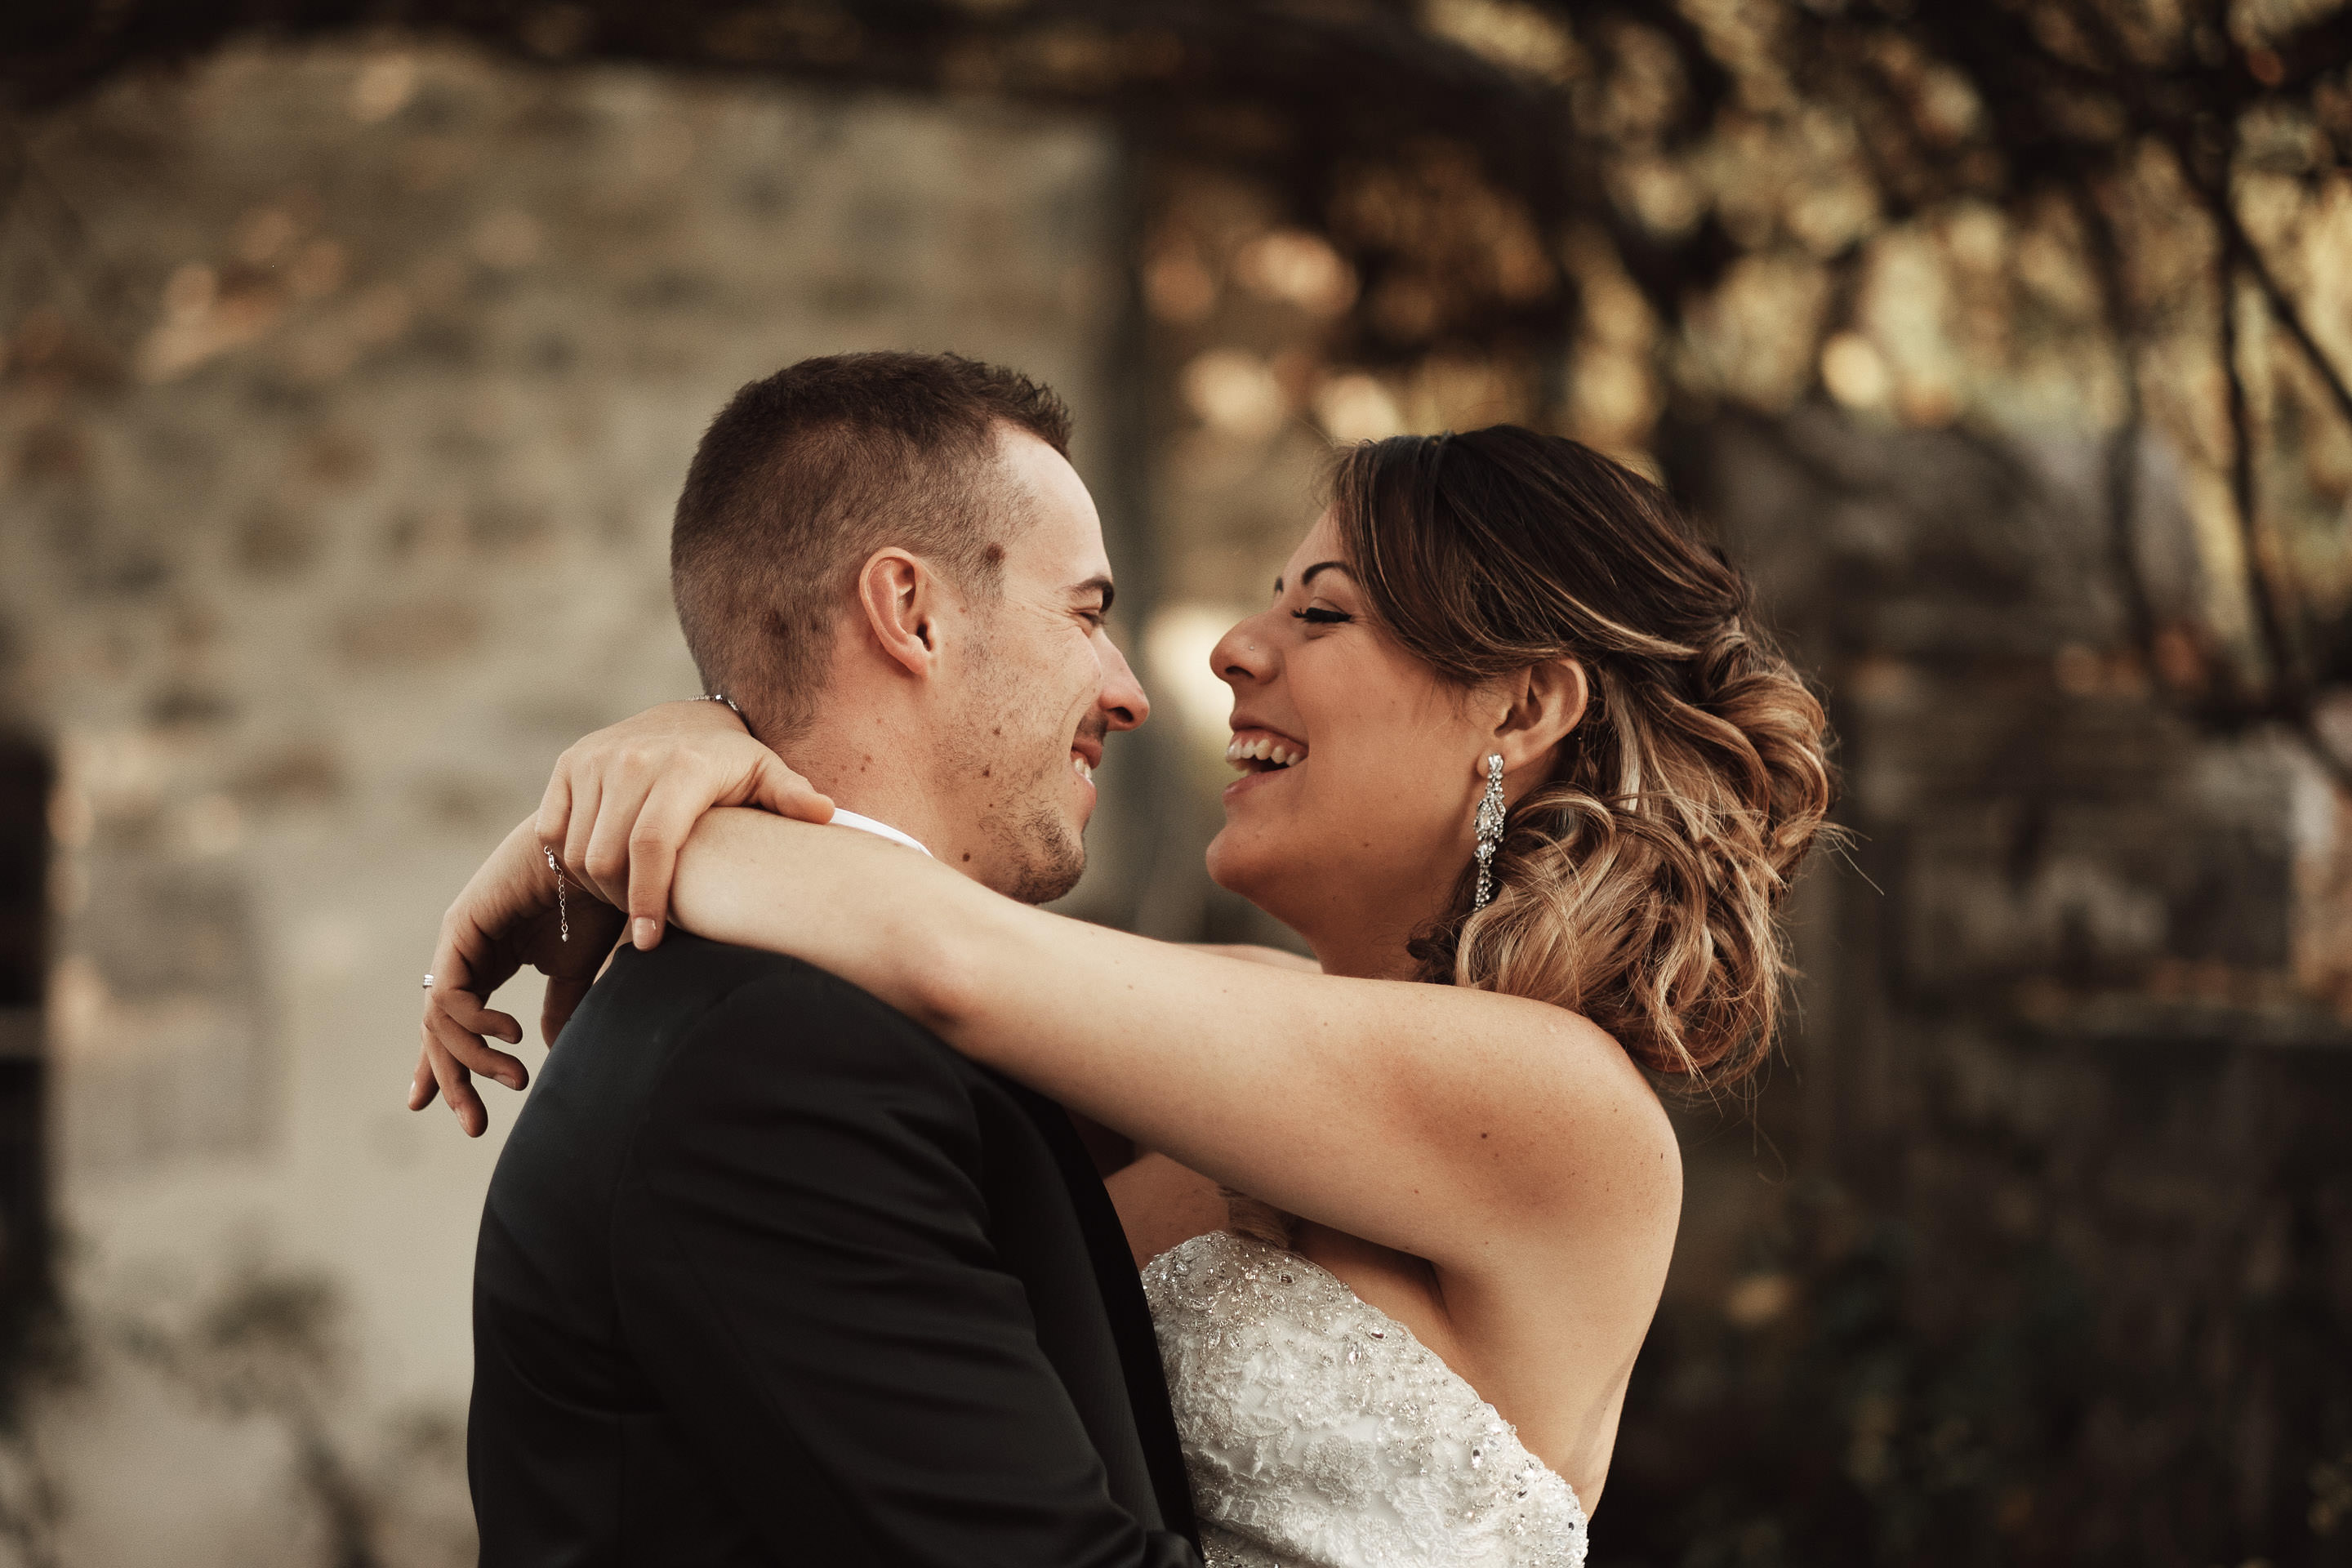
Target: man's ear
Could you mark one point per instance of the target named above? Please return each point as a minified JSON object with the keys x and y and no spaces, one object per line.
{"x":900,"y":595}
{"x":1542,"y":705}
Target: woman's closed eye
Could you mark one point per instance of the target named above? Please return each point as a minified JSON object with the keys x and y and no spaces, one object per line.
{"x":1316,"y":616}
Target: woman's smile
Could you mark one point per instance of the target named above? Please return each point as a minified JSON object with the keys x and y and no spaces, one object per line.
{"x":1256,"y":750}
{"x":1260,"y":754}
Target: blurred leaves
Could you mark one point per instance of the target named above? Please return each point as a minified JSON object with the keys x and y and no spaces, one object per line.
{"x":270,"y":1345}
{"x":1994,"y":1385}
{"x":2088,"y":214}
{"x":1450,"y":148}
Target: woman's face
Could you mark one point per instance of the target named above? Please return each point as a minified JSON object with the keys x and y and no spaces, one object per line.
{"x":1359,"y":838}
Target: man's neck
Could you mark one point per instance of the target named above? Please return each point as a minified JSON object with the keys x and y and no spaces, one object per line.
{"x":873,"y":770}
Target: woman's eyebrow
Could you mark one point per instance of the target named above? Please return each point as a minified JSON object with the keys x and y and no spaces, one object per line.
{"x":1308,"y":575}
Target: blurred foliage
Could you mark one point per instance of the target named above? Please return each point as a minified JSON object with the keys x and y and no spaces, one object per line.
{"x":1835,"y":1431}
{"x":2116,"y":1339}
{"x":271,"y":1345}
{"x":2095,"y":215}
{"x":268,"y":1346}
{"x":1845,"y":1431}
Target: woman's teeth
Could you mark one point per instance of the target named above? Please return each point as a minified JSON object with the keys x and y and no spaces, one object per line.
{"x":1262,"y":750}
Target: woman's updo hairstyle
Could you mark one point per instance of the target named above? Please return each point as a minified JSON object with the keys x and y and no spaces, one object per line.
{"x":1638,"y":885}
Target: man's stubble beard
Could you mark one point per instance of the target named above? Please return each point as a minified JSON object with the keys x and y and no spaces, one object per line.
{"x":1052,"y":857}
{"x":1031,"y":835}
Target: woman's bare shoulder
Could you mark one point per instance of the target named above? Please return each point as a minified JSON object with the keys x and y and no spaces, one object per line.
{"x":1614,"y":1158}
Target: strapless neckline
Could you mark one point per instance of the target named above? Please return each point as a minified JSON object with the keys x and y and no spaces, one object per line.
{"x":1319,"y":1432}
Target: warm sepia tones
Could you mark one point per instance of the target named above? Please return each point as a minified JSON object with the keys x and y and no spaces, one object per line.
{"x":350,"y":357}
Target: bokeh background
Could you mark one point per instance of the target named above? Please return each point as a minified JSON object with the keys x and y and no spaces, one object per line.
{"x":350,"y":355}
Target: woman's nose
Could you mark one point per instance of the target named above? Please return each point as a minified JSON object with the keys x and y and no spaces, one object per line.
{"x":1242,"y":654}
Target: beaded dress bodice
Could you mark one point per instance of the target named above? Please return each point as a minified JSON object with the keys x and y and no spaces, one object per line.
{"x":1320,"y":1432}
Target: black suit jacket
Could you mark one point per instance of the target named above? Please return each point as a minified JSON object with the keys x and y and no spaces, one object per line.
{"x":770,"y":1275}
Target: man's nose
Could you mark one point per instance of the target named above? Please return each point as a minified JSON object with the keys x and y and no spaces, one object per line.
{"x":1122,"y":700}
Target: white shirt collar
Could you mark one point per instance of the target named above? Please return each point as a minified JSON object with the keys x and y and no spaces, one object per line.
{"x":879,"y":829}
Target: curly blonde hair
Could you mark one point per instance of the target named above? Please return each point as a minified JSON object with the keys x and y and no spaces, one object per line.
{"x":1639,"y":885}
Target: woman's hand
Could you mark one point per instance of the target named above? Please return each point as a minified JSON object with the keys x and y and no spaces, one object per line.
{"x":510,"y":914}
{"x":622,"y":801}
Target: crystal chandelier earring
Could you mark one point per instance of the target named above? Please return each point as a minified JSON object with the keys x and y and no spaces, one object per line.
{"x":1490,"y":829}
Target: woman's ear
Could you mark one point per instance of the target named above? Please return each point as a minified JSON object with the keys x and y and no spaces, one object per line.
{"x":1544,"y":703}
{"x":899,"y":593}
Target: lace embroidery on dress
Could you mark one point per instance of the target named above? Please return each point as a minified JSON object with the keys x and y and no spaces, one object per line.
{"x":1320,"y":1432}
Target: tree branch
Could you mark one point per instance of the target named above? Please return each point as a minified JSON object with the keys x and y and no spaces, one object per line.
{"x":2291,"y":703}
{"x":2147,"y":119}
{"x":2282,"y":306}
{"x":2269,"y":618}
{"x":2123,"y":451}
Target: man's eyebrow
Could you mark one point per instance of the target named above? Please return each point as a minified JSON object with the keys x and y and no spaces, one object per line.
{"x":1098,"y":585}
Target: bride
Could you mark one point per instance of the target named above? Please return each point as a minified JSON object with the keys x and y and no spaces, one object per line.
{"x":1516,"y":765}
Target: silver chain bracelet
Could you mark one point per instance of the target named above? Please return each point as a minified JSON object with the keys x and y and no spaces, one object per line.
{"x":562,"y":912}
{"x":723,"y":697}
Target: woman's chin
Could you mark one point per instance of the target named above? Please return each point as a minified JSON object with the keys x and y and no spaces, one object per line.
{"x":1242,"y":863}
{"x":1220,"y":859}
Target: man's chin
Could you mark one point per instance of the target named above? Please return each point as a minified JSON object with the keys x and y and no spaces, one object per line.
{"x":1042,"y":885}
{"x":1053,"y":858}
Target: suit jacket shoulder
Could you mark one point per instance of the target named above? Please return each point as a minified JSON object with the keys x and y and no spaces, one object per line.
{"x":800,"y":1231}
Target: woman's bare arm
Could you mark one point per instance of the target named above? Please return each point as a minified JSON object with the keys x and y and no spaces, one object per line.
{"x":1253,"y":952}
{"x":1437,"y":1121}
{"x":617,"y":809}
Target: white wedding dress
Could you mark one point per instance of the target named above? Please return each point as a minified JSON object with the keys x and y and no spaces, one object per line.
{"x":1320,"y":1433}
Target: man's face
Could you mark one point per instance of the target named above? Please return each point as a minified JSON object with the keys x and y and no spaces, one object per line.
{"x":1043,"y":686}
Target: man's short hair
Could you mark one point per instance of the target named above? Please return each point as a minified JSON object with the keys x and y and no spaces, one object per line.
{"x":805,"y":474}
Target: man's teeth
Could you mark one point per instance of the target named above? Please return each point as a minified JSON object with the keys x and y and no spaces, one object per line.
{"x":1084,"y":769}
{"x":1264,"y":749}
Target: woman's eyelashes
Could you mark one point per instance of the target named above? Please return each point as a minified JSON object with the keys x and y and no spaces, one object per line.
{"x":1315,"y":617}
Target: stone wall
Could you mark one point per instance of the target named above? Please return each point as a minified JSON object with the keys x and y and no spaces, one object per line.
{"x":346,"y":395}
{"x":2039,"y":1248}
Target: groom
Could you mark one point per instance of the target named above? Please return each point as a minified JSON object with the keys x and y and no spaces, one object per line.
{"x":767,"y":1273}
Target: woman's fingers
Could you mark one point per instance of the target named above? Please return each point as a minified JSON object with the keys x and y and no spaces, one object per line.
{"x":477,"y":1018}
{"x":471,"y":1051}
{"x":620,"y":801}
{"x":455,"y":1017}
{"x":671,"y":763}
{"x":554,"y":818}
{"x":670,"y":812}
{"x":785,"y":793}
{"x":456,"y":1087}
{"x":586,"y":792}
{"x":462,"y":976}
{"x":424,"y":1086}
{"x":505,"y":916}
